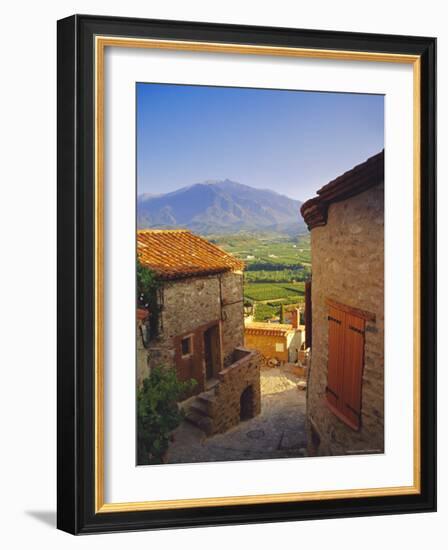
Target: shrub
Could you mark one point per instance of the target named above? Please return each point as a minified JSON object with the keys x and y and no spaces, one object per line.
{"x":158,"y":413}
{"x":148,"y":286}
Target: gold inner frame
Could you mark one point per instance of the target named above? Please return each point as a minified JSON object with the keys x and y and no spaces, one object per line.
{"x":101,"y":42}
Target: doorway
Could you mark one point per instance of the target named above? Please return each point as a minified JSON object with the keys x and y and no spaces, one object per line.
{"x":211,"y":352}
{"x":247,"y":404}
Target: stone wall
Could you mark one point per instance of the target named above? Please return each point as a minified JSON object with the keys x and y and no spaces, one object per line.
{"x":348,"y":266}
{"x":142,"y":354}
{"x":294,"y":342}
{"x":232,"y":314}
{"x":267,"y":345}
{"x":197,"y":303}
{"x":224,"y":403}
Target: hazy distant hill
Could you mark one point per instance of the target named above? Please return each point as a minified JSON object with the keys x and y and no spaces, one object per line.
{"x":220,"y":207}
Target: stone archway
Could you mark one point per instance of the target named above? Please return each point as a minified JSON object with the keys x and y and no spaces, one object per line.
{"x":247,"y":404}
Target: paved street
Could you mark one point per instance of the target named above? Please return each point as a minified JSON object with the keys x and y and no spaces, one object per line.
{"x":278,"y":432}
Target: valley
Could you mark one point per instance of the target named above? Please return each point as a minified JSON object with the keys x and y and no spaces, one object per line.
{"x":277,"y":267}
{"x":259,"y":226}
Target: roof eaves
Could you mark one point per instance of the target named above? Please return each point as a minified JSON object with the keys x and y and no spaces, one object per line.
{"x":351,"y":183}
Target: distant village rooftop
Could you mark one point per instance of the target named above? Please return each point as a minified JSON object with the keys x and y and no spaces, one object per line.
{"x":178,"y":253}
{"x":351,"y":183}
{"x":270,"y":329}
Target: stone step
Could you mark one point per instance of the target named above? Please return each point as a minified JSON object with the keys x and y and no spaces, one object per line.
{"x":211,"y":384}
{"x":207,"y":396}
{"x":200,"y":421}
{"x":201,"y":407}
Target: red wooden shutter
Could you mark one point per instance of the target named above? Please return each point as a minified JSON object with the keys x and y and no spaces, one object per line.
{"x":353,"y":364}
{"x":345,"y":365}
{"x":336,"y":319}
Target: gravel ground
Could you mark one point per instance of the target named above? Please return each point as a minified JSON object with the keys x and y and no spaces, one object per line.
{"x":277,"y":432}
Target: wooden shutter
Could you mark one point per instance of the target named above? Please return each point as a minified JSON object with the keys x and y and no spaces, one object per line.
{"x":345,"y":365}
{"x":353,"y":366}
{"x":336,"y":320}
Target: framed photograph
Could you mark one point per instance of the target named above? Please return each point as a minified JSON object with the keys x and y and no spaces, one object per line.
{"x":246,"y":274}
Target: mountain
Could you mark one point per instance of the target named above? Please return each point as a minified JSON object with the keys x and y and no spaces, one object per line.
{"x":220,"y":207}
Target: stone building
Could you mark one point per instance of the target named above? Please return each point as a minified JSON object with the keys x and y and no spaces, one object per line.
{"x":142,"y":354}
{"x":345,"y":394}
{"x":200,"y":324}
{"x":279,"y":341}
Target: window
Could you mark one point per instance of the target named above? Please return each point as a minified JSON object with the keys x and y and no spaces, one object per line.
{"x":345,"y":364}
{"x":187,"y":345}
{"x":279,"y":347}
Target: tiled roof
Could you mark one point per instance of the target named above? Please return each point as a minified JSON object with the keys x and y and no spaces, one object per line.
{"x":268,"y":329}
{"x":351,"y":183}
{"x":178,"y":253}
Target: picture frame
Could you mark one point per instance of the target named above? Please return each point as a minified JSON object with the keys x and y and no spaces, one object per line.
{"x":82,"y":41}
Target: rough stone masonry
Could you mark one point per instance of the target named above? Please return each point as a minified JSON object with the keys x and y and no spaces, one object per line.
{"x":348,"y":265}
{"x":190,"y":305}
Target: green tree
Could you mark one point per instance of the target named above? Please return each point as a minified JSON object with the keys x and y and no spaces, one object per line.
{"x":158,"y":413}
{"x":147,"y":296}
{"x":282,"y":313}
{"x":147,"y":285}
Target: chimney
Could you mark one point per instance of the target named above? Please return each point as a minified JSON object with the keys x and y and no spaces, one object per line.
{"x":295,"y":318}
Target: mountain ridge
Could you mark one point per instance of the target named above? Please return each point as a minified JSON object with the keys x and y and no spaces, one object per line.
{"x":220,"y":206}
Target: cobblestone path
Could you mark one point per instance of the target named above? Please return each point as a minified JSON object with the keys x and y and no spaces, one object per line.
{"x":277,"y":432}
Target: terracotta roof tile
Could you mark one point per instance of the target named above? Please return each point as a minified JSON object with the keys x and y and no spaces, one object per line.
{"x":268,"y":329}
{"x":178,"y":253}
{"x":351,"y":183}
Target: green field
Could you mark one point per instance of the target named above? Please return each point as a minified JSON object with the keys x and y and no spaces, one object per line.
{"x":267,"y":299}
{"x":263,"y":312}
{"x":290,"y":293}
{"x":271,"y":251}
{"x":276,"y":268}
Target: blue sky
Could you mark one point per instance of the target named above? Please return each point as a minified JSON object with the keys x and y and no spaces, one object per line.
{"x":292,"y":142}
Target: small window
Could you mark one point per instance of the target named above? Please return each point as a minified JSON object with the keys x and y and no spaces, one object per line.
{"x":187,"y":345}
{"x":279,"y":347}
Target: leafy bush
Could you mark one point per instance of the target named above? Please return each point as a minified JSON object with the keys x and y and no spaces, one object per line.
{"x":158,"y":413}
{"x":147,"y":296}
{"x":147,"y":284}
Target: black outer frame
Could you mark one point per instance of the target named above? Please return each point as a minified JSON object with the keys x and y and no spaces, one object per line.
{"x":75,"y":403}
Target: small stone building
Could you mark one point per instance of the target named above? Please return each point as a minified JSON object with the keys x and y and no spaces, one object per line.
{"x":200,"y":302}
{"x":200,"y":324}
{"x":278,"y":341}
{"x":235,"y":397}
{"x":345,"y":394}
